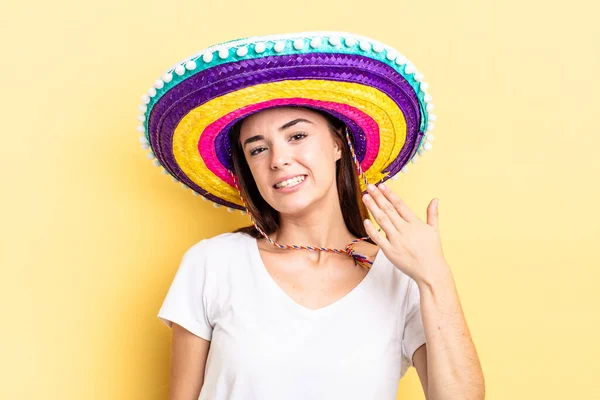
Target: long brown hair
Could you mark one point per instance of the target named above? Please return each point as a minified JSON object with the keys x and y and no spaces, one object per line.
{"x":267,"y":218}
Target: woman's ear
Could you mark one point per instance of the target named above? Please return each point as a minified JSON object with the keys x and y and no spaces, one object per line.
{"x":336,"y":146}
{"x":338,"y":152}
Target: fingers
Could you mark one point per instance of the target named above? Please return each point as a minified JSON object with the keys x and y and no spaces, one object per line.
{"x":405,"y":212}
{"x":382,"y":218}
{"x":381,"y":208}
{"x":432,"y":214}
{"x":392,"y":205}
{"x":379,"y":239}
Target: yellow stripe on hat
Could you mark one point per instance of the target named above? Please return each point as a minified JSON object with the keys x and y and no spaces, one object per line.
{"x":387,"y":114}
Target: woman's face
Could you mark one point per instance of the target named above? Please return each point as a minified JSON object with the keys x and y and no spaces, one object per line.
{"x":292,"y":145}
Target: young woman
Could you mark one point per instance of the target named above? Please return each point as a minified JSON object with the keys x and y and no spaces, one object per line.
{"x":311,"y":301}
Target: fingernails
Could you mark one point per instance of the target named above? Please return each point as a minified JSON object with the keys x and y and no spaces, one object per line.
{"x":382,"y":187}
{"x":370,"y":187}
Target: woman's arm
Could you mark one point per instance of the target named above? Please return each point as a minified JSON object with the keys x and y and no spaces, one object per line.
{"x":415,"y":248}
{"x":453,"y":368}
{"x":188,"y":360}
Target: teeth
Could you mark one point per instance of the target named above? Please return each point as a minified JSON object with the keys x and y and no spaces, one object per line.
{"x":290,"y":182}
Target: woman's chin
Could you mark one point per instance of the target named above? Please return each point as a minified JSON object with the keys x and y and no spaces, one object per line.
{"x":292,"y":205}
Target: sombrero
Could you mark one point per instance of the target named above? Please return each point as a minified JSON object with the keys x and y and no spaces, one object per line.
{"x":375,"y":90}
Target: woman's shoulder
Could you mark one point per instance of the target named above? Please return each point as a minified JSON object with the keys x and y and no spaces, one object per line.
{"x":223,"y":241}
{"x":221,"y":244}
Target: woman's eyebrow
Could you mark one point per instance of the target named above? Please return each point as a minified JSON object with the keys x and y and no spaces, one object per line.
{"x":256,"y":138}
{"x":251,"y":139}
{"x":294,"y":122}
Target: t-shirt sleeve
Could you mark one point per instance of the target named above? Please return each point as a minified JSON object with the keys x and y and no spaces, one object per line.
{"x":414,"y":333}
{"x":186,"y":302}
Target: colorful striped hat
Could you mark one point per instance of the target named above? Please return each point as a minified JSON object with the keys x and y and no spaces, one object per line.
{"x":380,"y":96}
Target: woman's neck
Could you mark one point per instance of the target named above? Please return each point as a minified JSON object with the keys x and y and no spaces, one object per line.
{"x":319,"y":226}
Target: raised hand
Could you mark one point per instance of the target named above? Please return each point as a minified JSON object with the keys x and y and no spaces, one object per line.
{"x":412,"y":245}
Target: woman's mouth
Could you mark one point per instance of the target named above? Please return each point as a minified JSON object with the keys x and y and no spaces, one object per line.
{"x":290,"y":184}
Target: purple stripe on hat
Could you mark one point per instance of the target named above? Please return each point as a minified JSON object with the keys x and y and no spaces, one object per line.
{"x":226,"y":78}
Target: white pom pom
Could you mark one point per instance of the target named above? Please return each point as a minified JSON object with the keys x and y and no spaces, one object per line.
{"x":420,"y":152}
{"x":204,"y":198}
{"x":156,"y":163}
{"x":150,"y":156}
{"x":430,"y":107}
{"x":143,"y":139}
{"x":243,"y":212}
{"x":145,"y":146}
{"x":141,"y":129}
{"x":377,"y":47}
{"x":365,"y":46}
{"x":164,"y":171}
{"x":195,"y":193}
{"x":174,"y":179}
{"x":143,"y":108}
{"x":429,"y":137}
{"x":207,"y":57}
{"x":391,"y":55}
{"x":168,"y":77}
{"x":145,"y":98}
{"x":159,"y":84}
{"x":180,"y":70}
{"x":229,"y":209}
{"x":419,"y":77}
{"x":427,"y":146}
{"x":410,"y":69}
{"x":432,"y":117}
{"x":335,"y":41}
{"x":152,"y":92}
{"x":298,"y":44}
{"x":141,"y":118}
{"x":190,"y":65}
{"x":350,"y":41}
{"x":223,"y":53}
{"x":428,"y":98}
{"x":184,"y":186}
{"x":216,"y":205}
{"x":430,"y":126}
{"x":404,"y":169}
{"x":315,"y":43}
{"x":401,"y":60}
{"x":424,"y":86}
{"x":242,"y":51}
{"x":395,"y":177}
{"x":415,"y":159}
{"x":279,"y":47}
{"x":260,"y":47}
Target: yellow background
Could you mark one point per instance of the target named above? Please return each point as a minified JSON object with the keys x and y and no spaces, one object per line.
{"x":92,"y":232}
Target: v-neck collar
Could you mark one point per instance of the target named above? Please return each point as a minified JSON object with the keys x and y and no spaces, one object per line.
{"x":258,"y":263}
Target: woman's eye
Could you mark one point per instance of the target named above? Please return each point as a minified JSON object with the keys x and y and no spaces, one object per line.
{"x":299,"y":135}
{"x":295,"y":137}
{"x":256,"y":151}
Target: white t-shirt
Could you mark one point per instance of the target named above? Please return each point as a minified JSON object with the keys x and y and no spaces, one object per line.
{"x":266,"y":346}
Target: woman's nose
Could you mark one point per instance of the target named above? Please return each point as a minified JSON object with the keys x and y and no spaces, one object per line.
{"x":279,"y":157}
